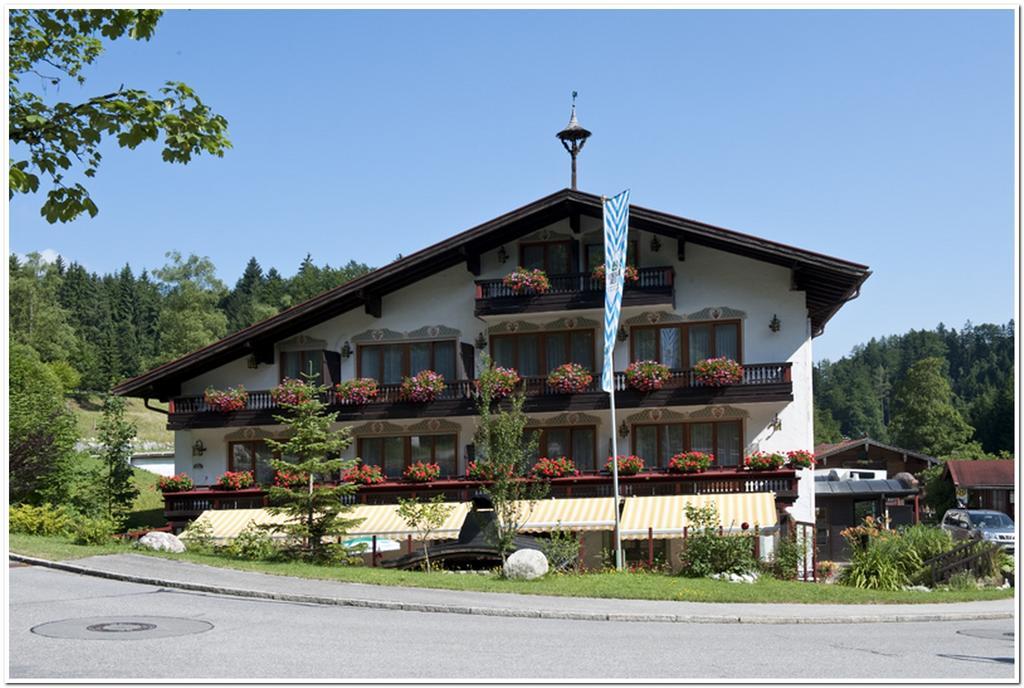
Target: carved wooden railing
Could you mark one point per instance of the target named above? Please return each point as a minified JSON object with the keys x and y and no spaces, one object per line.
{"x":578,"y":282}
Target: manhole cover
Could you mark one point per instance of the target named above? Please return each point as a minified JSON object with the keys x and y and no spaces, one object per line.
{"x":988,"y":634}
{"x":121,"y":628}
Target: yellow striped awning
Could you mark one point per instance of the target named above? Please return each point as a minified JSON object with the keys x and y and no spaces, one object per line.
{"x":378,"y":519}
{"x":584,"y":513}
{"x":666,"y":515}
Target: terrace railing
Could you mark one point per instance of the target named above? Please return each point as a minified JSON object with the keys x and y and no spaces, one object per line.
{"x":578,"y":282}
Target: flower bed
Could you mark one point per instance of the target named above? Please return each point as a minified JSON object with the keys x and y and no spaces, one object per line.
{"x":691,"y":462}
{"x":628,"y":465}
{"x":291,"y":392}
{"x":801,"y":458}
{"x":236,"y":480}
{"x":422,"y":387}
{"x":647,"y":376}
{"x":523,"y":281}
{"x":629,"y":274}
{"x":421,"y":472}
{"x":764,"y":461}
{"x":718,"y":372}
{"x":570,"y":378}
{"x":356,"y":392}
{"x":291,"y":479}
{"x":554,"y":468}
{"x":362,"y":474}
{"x":500,"y":382}
{"x":231,"y":399}
{"x":175,"y":483}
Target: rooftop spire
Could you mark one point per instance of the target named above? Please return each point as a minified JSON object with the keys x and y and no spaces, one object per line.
{"x":573,"y":137}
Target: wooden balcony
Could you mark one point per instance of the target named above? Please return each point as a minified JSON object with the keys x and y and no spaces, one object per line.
{"x":574,"y":291}
{"x":181,"y":507}
{"x":761,"y":382}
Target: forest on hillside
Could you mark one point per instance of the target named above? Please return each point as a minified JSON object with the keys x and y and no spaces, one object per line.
{"x":943,"y":391}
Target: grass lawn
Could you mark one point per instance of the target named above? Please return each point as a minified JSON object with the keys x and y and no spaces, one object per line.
{"x":645,"y":586}
{"x":152,"y":426}
{"x":148,"y":509}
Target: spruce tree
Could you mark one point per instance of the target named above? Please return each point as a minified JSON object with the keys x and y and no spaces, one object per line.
{"x":925,"y":418}
{"x":116,"y":435}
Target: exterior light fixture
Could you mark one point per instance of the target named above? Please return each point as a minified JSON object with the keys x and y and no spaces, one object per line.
{"x":502,"y":255}
{"x":655,"y":244}
{"x":481,"y":341}
{"x":252,"y":362}
{"x":775,"y":325}
{"x":346,"y":350}
{"x":198,"y":449}
{"x":775,"y":423}
{"x":623,"y":429}
{"x":623,"y":334}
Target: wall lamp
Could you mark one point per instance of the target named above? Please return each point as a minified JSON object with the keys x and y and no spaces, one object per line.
{"x":623,"y":334}
{"x":346,"y":350}
{"x":623,"y":429}
{"x":502,"y":255}
{"x":775,"y":325}
{"x":655,"y":244}
{"x":481,"y":341}
{"x":198,"y":449}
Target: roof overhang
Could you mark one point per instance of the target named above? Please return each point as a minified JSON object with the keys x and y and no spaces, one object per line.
{"x":828,"y":282}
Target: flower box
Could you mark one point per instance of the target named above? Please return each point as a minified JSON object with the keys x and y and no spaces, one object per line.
{"x":176,"y":483}
{"x":523,"y":281}
{"x":691,"y":462}
{"x":629,"y":274}
{"x":421,"y":472}
{"x":291,"y":479}
{"x":554,"y":468}
{"x":764,"y":461}
{"x":628,"y":465}
{"x":718,"y":372}
{"x":647,"y":376}
{"x":364,"y":475}
{"x":500,"y":382}
{"x":801,"y":458}
{"x":231,"y":399}
{"x":356,"y":392}
{"x":422,"y":387}
{"x":236,"y":480}
{"x":570,"y":378}
{"x":291,"y":392}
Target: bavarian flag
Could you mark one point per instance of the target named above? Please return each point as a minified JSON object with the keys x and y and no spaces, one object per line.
{"x":616,"y":228}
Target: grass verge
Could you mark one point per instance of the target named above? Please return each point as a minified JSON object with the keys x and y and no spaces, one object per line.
{"x":643,"y":586}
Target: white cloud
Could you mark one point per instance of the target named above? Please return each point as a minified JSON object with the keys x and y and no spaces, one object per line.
{"x":47,"y":255}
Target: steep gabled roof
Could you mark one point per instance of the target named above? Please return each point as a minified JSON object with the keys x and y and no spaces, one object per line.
{"x":982,"y":473}
{"x":825,"y":450}
{"x":828,"y":282}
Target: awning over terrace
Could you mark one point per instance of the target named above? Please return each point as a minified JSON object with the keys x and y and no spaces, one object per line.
{"x":666,"y":515}
{"x":594,"y":513}
{"x":378,"y":519}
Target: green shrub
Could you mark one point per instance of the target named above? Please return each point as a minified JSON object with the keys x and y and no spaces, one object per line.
{"x":45,"y":519}
{"x":562,"y":549}
{"x":94,"y":531}
{"x":786,"y":559}
{"x":253,"y":543}
{"x":706,"y":552}
{"x":886,"y":563}
{"x":962,"y":580}
{"x":198,"y":537}
{"x":927,"y":541}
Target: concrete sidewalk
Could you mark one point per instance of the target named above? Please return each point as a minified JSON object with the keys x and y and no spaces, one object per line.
{"x":184,"y":575}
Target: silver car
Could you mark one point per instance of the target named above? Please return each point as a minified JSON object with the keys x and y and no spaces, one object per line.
{"x":981,"y":524}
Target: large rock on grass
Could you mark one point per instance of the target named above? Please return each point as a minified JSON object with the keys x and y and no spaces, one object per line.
{"x":526,"y":564}
{"x":165,"y":542}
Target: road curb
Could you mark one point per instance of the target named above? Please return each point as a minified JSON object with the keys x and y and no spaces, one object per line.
{"x":512,"y":612}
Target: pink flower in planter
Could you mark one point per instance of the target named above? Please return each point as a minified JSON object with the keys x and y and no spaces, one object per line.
{"x":718,"y":372}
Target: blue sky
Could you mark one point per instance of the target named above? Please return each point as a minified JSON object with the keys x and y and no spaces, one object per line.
{"x":882,"y":137}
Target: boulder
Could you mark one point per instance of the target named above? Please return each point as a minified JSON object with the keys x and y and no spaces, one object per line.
{"x":165,"y":542}
{"x":526,"y":564}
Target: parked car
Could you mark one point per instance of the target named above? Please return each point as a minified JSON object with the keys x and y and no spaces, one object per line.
{"x":981,"y":524}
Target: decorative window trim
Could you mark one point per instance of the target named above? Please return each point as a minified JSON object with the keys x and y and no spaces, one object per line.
{"x":515,"y":326}
{"x":563,"y":420}
{"x":250,"y":435}
{"x":302,"y":343}
{"x":377,"y":427}
{"x":428,"y":426}
{"x":434,"y":426}
{"x":709,"y":314}
{"x":425,"y":333}
{"x":717,"y":313}
{"x":548,"y":234}
{"x":656,"y":415}
{"x":719,"y":412}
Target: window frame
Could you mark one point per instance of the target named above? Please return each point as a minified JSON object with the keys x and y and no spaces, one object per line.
{"x":631,"y":243}
{"x":543,"y":435}
{"x":303,"y":357}
{"x":546,"y":244}
{"x":253,"y":443}
{"x":407,"y":355}
{"x":684,"y":338}
{"x":542,"y":352}
{"x":687,"y":439}
{"x":407,"y":449}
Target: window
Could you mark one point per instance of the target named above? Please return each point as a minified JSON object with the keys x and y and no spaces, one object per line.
{"x":395,"y":454}
{"x":577,"y":443}
{"x":296,"y":363}
{"x":553,"y":257}
{"x":389,"y":363}
{"x":252,"y":456}
{"x":657,"y":444}
{"x":681,"y":346}
{"x":595,"y":254}
{"x":537,"y":354}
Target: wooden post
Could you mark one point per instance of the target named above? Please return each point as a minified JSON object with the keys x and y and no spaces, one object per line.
{"x":917,"y":509}
{"x":373,"y":553}
{"x":814,"y":554}
{"x":581,"y":556}
{"x":650,"y":547}
{"x":408,"y":543}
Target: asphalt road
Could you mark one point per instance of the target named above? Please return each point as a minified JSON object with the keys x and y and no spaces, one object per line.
{"x":265,"y":639}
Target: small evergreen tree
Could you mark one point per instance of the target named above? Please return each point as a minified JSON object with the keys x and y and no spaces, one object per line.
{"x":116,"y":435}
{"x":925,"y":418}
{"x":424,"y":517}
{"x":316,"y":513}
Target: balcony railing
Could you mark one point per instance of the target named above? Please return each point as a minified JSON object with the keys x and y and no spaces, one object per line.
{"x":574,"y":290}
{"x":754,"y":375}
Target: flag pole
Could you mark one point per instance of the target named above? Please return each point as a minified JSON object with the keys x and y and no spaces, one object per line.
{"x":615,"y":484}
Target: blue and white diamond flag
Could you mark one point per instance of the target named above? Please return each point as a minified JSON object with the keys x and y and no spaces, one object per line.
{"x":616,"y":228}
